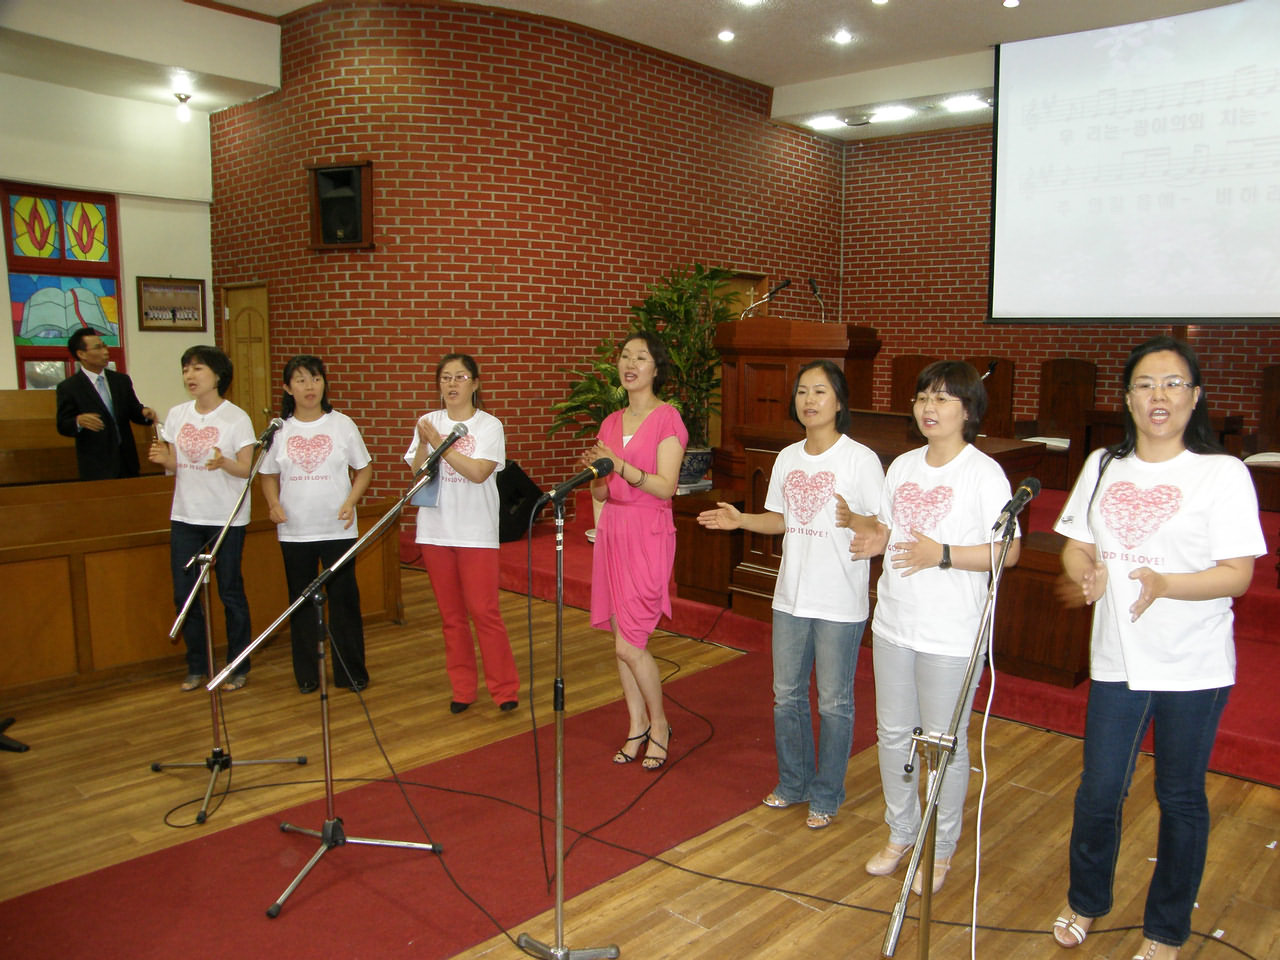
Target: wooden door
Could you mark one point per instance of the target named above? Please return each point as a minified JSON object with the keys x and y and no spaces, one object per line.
{"x":248,"y":344}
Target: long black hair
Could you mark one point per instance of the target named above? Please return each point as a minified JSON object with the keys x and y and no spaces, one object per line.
{"x":313,"y":366}
{"x":1197,"y":435}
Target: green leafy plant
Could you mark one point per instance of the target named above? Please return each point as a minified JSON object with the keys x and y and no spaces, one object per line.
{"x":593,"y":395}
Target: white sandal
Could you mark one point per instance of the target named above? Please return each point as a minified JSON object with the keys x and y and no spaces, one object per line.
{"x":1067,"y":925}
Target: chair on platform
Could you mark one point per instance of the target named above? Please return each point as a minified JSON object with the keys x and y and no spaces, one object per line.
{"x":904,"y":371}
{"x":998,"y":421}
{"x":1067,"y":387}
{"x":1264,"y":446}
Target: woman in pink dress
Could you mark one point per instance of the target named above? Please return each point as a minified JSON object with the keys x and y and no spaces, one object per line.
{"x":635,"y":545}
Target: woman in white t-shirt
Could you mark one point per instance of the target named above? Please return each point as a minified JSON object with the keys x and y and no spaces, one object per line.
{"x":208,"y":447}
{"x":458,"y":535}
{"x":820,"y":602}
{"x":1162,"y":531}
{"x":313,"y":476}
{"x":936,"y":515}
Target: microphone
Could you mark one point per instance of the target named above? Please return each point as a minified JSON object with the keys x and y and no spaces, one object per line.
{"x":268,"y":434}
{"x":766,"y":298}
{"x":457,"y":433}
{"x":601,"y":468}
{"x":1027,"y":491}
{"x":813,"y":288}
{"x":778,"y":289}
{"x":991,"y":368}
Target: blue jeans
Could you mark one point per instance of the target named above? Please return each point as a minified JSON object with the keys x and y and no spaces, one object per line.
{"x":800,"y":645}
{"x":1186,"y":722}
{"x":185,"y":540}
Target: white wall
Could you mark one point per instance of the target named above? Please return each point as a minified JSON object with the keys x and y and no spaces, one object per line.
{"x":161,"y":171}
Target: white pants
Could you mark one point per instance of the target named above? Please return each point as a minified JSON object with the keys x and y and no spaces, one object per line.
{"x":919,"y":690}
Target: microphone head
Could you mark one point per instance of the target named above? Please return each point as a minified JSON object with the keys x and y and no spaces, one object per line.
{"x":459,"y":430}
{"x":602,"y":467}
{"x":276,"y":423}
{"x":813,"y":286}
{"x":1032,"y":486}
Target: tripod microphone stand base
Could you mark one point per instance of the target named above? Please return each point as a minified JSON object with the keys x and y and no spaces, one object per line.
{"x":530,"y":945}
{"x":215,"y":763}
{"x":332,"y":835}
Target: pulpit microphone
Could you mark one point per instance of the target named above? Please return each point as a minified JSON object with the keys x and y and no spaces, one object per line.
{"x":813,"y":288}
{"x":766,"y":298}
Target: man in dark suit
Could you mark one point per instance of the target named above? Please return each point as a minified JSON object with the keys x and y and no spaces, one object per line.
{"x":95,"y":406}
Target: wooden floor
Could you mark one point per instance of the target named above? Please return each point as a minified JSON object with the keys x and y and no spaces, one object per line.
{"x":761,"y":885}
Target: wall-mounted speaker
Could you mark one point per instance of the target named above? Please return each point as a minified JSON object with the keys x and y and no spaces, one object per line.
{"x":342,"y":206}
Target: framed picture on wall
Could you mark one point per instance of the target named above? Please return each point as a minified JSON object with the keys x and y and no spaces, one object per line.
{"x":171,"y":303}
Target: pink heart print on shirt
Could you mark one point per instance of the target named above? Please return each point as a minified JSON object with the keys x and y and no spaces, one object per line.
{"x":196,"y":443}
{"x":465,"y":446}
{"x":806,"y":495}
{"x":1134,"y":514}
{"x":915,"y":508}
{"x":309,"y":452}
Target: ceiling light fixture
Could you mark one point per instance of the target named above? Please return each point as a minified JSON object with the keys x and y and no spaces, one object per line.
{"x":828,"y":121}
{"x":964,"y":103}
{"x":842,"y":37}
{"x":879,"y":3}
{"x":725,"y":36}
{"x":888,"y":114}
{"x":1011,"y":3}
{"x":184,"y":112}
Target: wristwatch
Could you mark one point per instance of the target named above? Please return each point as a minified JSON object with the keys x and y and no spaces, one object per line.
{"x":945,"y":562}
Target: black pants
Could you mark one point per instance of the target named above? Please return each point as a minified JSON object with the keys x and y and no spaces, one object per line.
{"x":303,"y":561}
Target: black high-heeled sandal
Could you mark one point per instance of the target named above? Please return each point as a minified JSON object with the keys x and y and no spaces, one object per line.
{"x":622,"y":756}
{"x":655,"y":763}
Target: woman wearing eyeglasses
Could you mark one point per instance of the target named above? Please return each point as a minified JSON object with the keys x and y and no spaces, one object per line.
{"x":936,"y":512}
{"x":1162,"y":532}
{"x":459,"y":535}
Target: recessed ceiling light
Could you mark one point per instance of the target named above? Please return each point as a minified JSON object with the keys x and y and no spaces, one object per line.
{"x":725,"y":35}
{"x":879,"y":3}
{"x":1011,"y":3}
{"x":885,"y":114}
{"x":828,"y":121}
{"x":965,"y":102}
{"x":842,"y":36}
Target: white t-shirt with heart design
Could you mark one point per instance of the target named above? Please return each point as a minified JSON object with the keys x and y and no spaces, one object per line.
{"x":466,"y":513}
{"x":817,"y":578}
{"x":937,"y":611}
{"x":312,"y":459}
{"x":1177,"y":516}
{"x":205,"y":497}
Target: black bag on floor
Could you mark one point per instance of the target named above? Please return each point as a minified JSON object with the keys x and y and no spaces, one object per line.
{"x":517,"y":495}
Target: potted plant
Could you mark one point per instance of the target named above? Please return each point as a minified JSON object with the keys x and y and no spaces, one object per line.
{"x":684,"y":310}
{"x":593,"y":394}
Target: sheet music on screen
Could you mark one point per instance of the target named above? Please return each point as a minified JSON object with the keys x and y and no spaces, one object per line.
{"x":1137,"y":171}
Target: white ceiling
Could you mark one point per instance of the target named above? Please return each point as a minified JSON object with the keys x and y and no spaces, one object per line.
{"x":914,"y":51}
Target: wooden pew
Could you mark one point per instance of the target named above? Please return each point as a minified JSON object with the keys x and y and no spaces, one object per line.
{"x":86,"y":588}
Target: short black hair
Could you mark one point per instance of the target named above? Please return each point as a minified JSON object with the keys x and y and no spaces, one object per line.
{"x":835,"y":376}
{"x":215,"y":360}
{"x":75,"y":343}
{"x":964,"y":383}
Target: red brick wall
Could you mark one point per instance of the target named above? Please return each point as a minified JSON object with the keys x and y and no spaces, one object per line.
{"x":530,"y":180}
{"x":915,"y":267}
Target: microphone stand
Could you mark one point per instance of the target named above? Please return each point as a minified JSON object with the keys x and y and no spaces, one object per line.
{"x":331,"y":834}
{"x":218,"y":759}
{"x":938,"y":750}
{"x":526,"y":942}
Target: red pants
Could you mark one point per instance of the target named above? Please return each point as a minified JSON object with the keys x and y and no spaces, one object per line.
{"x":465,"y":581}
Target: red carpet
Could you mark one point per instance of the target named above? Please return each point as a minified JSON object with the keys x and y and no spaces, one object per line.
{"x":207,"y":898}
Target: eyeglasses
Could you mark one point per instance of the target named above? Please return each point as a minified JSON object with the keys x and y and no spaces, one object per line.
{"x":932,"y":398}
{"x":454,"y":377}
{"x":1170,"y":385}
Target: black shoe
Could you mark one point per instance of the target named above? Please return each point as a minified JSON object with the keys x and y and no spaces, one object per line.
{"x":508,"y":705}
{"x":457,"y":706}
{"x":308,"y":686}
